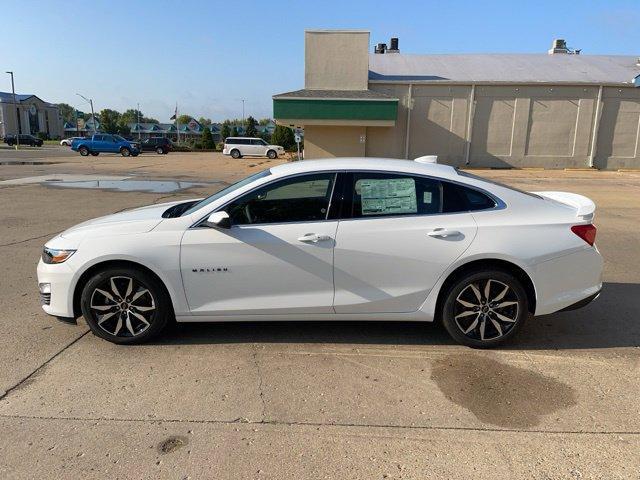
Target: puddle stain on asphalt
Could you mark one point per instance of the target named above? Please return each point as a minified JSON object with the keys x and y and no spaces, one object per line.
{"x":172,"y":444}
{"x":500,"y":394}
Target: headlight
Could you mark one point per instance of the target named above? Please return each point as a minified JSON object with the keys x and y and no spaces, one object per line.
{"x":52,"y":255}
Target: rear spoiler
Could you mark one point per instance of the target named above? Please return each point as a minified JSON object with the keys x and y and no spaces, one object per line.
{"x":583,"y":206}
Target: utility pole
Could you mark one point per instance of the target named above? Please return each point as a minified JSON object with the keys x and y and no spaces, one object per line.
{"x":93,"y":116}
{"x":138,"y":111}
{"x":15,"y":106}
{"x":243,"y":113}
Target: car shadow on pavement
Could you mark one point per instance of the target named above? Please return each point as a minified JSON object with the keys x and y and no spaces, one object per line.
{"x":608,"y":322}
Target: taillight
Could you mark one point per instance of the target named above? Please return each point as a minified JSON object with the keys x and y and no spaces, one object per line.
{"x":585,"y":232}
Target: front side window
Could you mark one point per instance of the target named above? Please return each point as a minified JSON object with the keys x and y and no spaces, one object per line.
{"x":303,"y":198}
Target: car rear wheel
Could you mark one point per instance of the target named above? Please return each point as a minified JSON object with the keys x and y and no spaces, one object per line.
{"x":159,"y":150}
{"x":125,"y":306}
{"x":125,"y":152}
{"x":272,"y":154}
{"x":84,"y":151}
{"x":235,"y":153}
{"x":485,"y":308}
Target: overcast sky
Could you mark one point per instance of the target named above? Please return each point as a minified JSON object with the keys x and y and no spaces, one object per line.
{"x":208,"y":55}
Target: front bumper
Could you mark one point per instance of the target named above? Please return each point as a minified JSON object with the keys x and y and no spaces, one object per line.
{"x":60,"y":297}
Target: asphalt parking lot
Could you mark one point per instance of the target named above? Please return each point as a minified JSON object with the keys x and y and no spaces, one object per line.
{"x":308,"y":400}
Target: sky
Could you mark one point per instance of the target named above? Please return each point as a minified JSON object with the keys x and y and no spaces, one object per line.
{"x":207,"y":56}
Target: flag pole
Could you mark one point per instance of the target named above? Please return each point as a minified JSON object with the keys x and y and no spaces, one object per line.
{"x":177,"y":124}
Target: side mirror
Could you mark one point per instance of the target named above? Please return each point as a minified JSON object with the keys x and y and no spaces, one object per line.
{"x":219,"y":219}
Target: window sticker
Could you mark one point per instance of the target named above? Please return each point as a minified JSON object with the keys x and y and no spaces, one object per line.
{"x":427,"y":197}
{"x":388,"y":196}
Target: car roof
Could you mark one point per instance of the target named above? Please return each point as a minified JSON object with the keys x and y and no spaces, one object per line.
{"x":368,"y":163}
{"x":246,"y":138}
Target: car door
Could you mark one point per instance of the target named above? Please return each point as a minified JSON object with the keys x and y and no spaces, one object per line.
{"x":394,"y":241}
{"x":258,"y":147}
{"x":276,"y":258}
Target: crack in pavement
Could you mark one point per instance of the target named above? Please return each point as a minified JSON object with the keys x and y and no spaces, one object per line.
{"x":260,"y":390}
{"x":17,"y":242}
{"x":320,"y":424}
{"x":40,"y":368}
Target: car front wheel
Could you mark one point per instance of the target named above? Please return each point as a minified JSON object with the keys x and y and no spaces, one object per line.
{"x":125,"y":306}
{"x":272,"y":154}
{"x":159,"y":151}
{"x":125,"y":152}
{"x":484,"y":308}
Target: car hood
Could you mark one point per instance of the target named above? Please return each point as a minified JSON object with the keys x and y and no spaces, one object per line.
{"x":137,"y":220}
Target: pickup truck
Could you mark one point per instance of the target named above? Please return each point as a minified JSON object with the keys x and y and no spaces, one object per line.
{"x":105,"y":143}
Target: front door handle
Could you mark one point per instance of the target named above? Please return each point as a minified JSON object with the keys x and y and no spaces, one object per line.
{"x":443,"y":233}
{"x":313,"y":238}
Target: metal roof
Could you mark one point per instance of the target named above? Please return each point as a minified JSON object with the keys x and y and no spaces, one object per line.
{"x":504,"y":68}
{"x":334,"y":95}
{"x":7,"y":97}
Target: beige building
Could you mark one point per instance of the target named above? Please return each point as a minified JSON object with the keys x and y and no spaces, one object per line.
{"x":556,"y":109}
{"x":34,"y":116}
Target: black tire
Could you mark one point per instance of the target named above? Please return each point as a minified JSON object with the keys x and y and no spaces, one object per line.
{"x":235,"y":153}
{"x":125,"y":152}
{"x":272,"y":154}
{"x":474,"y":320}
{"x":159,"y":150}
{"x":84,"y":151}
{"x":146,"y":293}
{"x":95,"y":154}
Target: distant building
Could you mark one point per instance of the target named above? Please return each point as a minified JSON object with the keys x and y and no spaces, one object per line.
{"x":34,"y":116}
{"x":556,"y":109}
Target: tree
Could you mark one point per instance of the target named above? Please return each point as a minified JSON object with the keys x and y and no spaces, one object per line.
{"x":234,"y":132}
{"x":67,"y":112}
{"x":184,"y":119}
{"x":109,"y":120}
{"x":284,"y":137}
{"x":207,"y":139}
{"x":204,"y":121}
{"x":226,"y":131}
{"x":250,"y":127}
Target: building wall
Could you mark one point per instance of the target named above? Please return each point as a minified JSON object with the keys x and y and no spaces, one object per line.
{"x":336,"y":60}
{"x":48,"y":119}
{"x":519,"y":125}
{"x":323,"y":141}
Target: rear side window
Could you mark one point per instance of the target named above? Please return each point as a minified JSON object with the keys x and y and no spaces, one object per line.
{"x":231,"y":141}
{"x":380,"y":194}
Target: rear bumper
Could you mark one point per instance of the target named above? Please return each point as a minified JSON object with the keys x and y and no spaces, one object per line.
{"x":567,"y":281}
{"x":582,"y":303}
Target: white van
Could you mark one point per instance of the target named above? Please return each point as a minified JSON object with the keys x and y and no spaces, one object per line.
{"x":238,"y":147}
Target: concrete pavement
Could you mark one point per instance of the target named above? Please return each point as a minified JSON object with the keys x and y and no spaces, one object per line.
{"x":312,"y":400}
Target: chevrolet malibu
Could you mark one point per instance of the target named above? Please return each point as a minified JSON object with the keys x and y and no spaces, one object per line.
{"x":340,"y":239}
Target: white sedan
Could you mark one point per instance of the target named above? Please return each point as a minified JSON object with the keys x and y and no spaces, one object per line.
{"x":340,"y":239}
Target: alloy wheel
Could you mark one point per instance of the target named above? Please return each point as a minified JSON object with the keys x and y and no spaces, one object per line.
{"x":122,"y":306}
{"x":486,"y":309}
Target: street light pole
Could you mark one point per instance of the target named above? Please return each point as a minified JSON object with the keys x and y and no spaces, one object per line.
{"x":243,"y":113}
{"x":138,"y":112}
{"x":93,"y":116}
{"x":15,"y":107}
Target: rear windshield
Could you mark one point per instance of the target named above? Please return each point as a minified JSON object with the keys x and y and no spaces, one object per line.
{"x":225,"y":191}
{"x":463,"y":173}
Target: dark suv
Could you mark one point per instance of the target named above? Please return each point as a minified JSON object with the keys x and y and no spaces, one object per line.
{"x":158,"y":144}
{"x":24,"y":140}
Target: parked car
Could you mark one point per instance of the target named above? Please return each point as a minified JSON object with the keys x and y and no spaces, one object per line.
{"x":66,"y":142}
{"x":105,"y":143}
{"x":24,"y":140}
{"x":335,"y":239}
{"x":239,"y":147}
{"x":159,"y":145}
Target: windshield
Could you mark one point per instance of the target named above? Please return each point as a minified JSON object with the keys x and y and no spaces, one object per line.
{"x":119,"y":138}
{"x":225,"y":191}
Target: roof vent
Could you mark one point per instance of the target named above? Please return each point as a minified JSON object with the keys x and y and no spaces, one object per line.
{"x":380,"y":48}
{"x":560,"y":46}
{"x":393,"y":46}
{"x":427,"y":159}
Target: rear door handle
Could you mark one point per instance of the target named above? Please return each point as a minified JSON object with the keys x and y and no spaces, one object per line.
{"x":443,"y":233}
{"x":313,"y":238}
